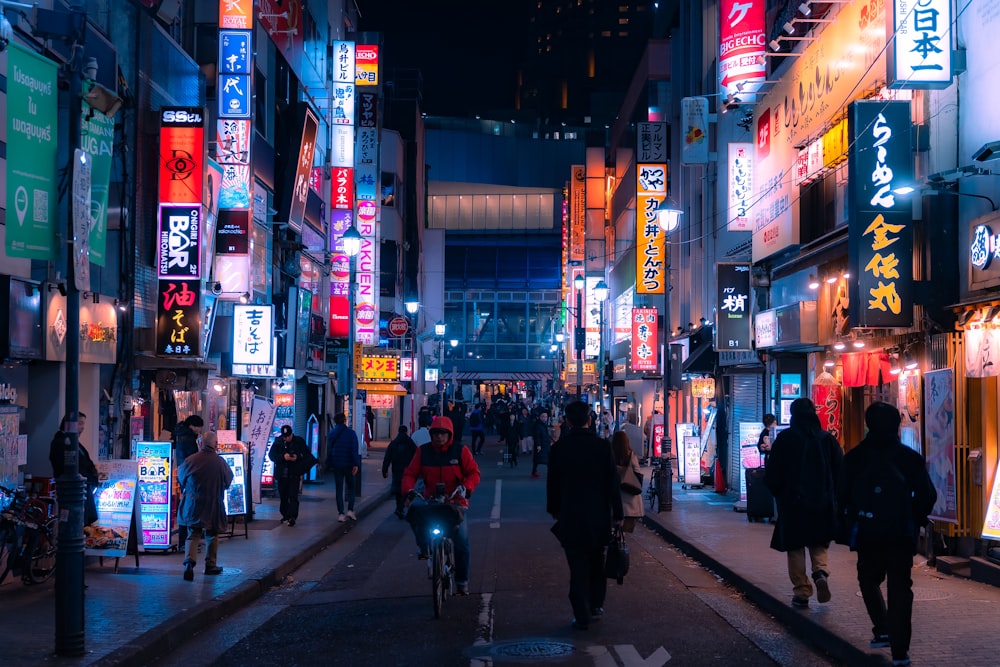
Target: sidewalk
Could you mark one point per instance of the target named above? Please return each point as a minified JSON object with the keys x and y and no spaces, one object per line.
{"x":139,"y":613}
{"x":954,"y":619}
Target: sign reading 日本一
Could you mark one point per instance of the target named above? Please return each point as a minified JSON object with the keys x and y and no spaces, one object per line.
{"x":880,"y":229}
{"x":253,"y":334}
{"x":920,"y":53}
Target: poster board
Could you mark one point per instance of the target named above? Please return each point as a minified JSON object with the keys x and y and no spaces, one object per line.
{"x":939,"y":403}
{"x":749,"y":454}
{"x":115,"y":498}
{"x":991,"y":526}
{"x":235,"y":498}
{"x":9,"y":448}
{"x":681,"y":431}
{"x":155,"y":465}
{"x":692,"y":461}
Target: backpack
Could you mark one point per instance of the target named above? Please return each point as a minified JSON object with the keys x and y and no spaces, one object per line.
{"x":881,"y":502}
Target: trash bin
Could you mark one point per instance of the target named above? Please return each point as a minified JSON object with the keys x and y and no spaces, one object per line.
{"x":665,"y":473}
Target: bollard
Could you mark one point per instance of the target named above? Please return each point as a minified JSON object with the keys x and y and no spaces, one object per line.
{"x":665,"y":501}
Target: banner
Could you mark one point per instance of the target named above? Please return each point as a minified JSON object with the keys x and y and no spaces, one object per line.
{"x":740,"y":187}
{"x":97,"y":138}
{"x":694,"y":121}
{"x":734,"y":327}
{"x":115,"y":498}
{"x":939,"y":401}
{"x":32,"y":136}
{"x":577,"y":212}
{"x":258,"y":437}
{"x":742,"y":39}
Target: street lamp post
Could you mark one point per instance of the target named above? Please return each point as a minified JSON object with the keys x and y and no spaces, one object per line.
{"x":601,"y":292}
{"x":439,"y":330}
{"x":454,"y":369}
{"x":351,"y":242}
{"x":668,"y":217}
{"x":580,"y":334}
{"x":412,"y":307}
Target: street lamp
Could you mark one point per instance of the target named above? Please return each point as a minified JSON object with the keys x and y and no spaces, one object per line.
{"x":601,"y":293}
{"x":439,"y":330}
{"x":350,"y":241}
{"x":580,"y":334}
{"x":412,"y":307}
{"x":668,"y":216}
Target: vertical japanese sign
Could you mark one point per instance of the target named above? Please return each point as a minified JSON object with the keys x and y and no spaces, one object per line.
{"x":253,"y":334}
{"x":182,"y":155}
{"x":300,"y":186}
{"x":344,"y":73}
{"x":734,"y":330}
{"x":257,"y":439}
{"x":97,"y":138}
{"x":32,"y":135}
{"x":178,"y":318}
{"x":740,"y":187}
{"x":742,"y":38}
{"x":694,"y":121}
{"x":645,"y":341}
{"x":155,"y":474}
{"x":880,"y":230}
{"x":650,"y":240}
{"x":577,"y":212}
{"x":366,"y":64}
{"x":232,"y":152}
{"x":178,"y":244}
{"x":920,"y":53}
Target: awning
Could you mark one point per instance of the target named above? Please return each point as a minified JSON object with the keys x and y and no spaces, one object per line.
{"x":702,"y":357}
{"x":151,"y":362}
{"x":386,"y":388}
{"x":499,"y":376}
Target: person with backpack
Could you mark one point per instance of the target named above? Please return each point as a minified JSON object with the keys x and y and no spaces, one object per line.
{"x":802,"y":473}
{"x":886,"y":495}
{"x":476,"y":429}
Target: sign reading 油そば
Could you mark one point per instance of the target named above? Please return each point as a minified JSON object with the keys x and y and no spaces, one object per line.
{"x":178,"y":318}
{"x":253,"y":334}
{"x":880,"y":227}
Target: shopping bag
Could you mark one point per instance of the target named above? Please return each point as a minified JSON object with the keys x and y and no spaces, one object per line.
{"x":617,"y":560}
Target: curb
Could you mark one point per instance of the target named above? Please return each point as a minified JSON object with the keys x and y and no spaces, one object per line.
{"x":803,"y":627}
{"x":172,"y":633}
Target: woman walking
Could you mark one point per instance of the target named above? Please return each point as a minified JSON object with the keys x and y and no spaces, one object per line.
{"x":628,"y":473}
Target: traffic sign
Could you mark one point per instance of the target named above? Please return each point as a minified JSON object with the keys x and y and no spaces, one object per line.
{"x":398,"y":326}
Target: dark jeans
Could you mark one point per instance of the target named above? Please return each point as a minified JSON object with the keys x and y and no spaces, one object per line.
{"x":344,"y":481}
{"x":893,"y":565}
{"x":587,"y":584}
{"x":478,"y":440}
{"x":459,"y":535}
{"x":288,"y":490}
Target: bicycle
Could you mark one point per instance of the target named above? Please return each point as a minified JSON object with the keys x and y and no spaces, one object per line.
{"x":653,"y":491}
{"x":438,"y":517}
{"x":27,"y":538}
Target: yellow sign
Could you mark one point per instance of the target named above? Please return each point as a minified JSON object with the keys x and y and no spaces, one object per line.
{"x":703,"y":387}
{"x":379,"y":368}
{"x":650,"y":240}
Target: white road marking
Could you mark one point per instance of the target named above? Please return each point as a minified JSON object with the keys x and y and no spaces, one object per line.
{"x":495,"y":512}
{"x":631,"y":658}
{"x":485,"y":622}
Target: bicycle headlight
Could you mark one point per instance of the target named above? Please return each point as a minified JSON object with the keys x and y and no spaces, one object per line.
{"x":435,"y":531}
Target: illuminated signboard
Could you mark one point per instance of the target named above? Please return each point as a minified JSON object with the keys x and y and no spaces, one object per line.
{"x":645,"y":342}
{"x":253,"y":334}
{"x":178,"y":247}
{"x":366,"y":65}
{"x":733,"y":325}
{"x":650,"y":243}
{"x":742,"y":36}
{"x":182,"y":155}
{"x":178,"y":318}
{"x":115,"y":498}
{"x":235,"y":497}
{"x":379,"y":368}
{"x":155,"y":476}
{"x":920,"y":53}
{"x":740,"y":187}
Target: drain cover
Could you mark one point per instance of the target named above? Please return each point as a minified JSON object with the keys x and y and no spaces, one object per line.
{"x":533,"y":649}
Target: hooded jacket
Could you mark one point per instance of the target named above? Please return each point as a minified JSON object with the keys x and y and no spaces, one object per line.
{"x":451,"y":463}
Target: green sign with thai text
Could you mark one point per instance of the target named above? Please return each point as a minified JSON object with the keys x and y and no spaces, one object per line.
{"x":97,"y":138}
{"x":32,"y":135}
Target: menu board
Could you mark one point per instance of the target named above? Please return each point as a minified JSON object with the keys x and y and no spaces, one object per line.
{"x":115,"y":498}
{"x":235,"y":498}
{"x":154,"y":461}
{"x":692,"y":460}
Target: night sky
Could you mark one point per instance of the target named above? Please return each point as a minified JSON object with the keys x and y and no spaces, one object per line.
{"x":467,"y":51}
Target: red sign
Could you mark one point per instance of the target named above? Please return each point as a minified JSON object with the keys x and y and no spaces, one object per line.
{"x":645,"y":342}
{"x":398,"y":326}
{"x":182,"y":155}
{"x":339,"y":317}
{"x":342,"y":188}
{"x":828,"y":408}
{"x":742,"y":36}
{"x":658,"y":440}
{"x":236,"y":14}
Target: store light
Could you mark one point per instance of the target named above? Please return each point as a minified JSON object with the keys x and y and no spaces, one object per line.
{"x":813,"y":283}
{"x":858,"y":344}
{"x":839,"y":345}
{"x":831,"y":280}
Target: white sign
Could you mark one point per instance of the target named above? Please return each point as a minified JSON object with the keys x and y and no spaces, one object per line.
{"x":694,"y":123}
{"x":257,"y":436}
{"x":921,"y":52}
{"x":343,"y":63}
{"x":740,"y":187}
{"x":765,"y":325}
{"x":253,"y":334}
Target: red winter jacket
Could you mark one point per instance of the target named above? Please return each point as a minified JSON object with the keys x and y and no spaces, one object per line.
{"x":451,"y":463}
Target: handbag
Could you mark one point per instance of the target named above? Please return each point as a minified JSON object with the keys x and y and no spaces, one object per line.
{"x":631,"y":481}
{"x":617,"y":559}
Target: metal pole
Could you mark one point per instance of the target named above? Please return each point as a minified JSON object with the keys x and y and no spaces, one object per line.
{"x":441,"y":379}
{"x":600,"y":359}
{"x":665,"y":501}
{"x":580,"y":340}
{"x":71,"y":488}
{"x":351,"y":305}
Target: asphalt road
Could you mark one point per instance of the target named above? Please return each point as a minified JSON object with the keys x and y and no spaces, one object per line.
{"x":366,"y":601}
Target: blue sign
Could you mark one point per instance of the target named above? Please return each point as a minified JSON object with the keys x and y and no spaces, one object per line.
{"x":234,"y":51}
{"x":234,"y":95}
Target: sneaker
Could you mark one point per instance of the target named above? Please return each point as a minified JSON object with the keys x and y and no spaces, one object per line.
{"x":535,"y":475}
{"x":800,"y":602}
{"x":341,"y":518}
{"x":462,"y":588}
{"x":879,"y":641}
{"x":905,"y":660}
{"x":577,"y":625}
{"x":822,"y":589}
{"x":215,"y":569}
{"x":291,"y":522}
{"x":351,"y":515}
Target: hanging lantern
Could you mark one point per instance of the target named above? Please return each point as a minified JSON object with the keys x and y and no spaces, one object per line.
{"x":703,"y":387}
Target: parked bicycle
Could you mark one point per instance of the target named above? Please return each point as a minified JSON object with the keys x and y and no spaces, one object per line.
{"x":653,"y":490}
{"x":436,"y":520}
{"x":27,"y":537}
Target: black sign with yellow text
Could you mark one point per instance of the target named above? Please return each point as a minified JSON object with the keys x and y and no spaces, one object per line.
{"x":178,"y":318}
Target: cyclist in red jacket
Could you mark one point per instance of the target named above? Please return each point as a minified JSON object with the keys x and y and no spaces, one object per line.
{"x":445,"y":461}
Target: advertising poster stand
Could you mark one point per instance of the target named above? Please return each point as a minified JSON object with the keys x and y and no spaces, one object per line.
{"x":114,"y":532}
{"x":235,"y":498}
{"x":313,"y":442}
{"x":692,"y":463}
{"x":154,"y":494}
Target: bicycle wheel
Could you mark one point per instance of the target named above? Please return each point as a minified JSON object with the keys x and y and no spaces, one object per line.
{"x":43,"y":560}
{"x":449,"y":561}
{"x":5,"y":549}
{"x":437,"y":577}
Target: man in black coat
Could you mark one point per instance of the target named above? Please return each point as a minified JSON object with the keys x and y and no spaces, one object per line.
{"x":398,"y":455}
{"x":885,"y":551}
{"x":186,"y":438}
{"x":292,"y":459}
{"x":583,"y":496}
{"x":802,"y":473}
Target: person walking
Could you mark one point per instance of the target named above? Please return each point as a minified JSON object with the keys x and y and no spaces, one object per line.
{"x":203,"y":477}
{"x":627,"y":465}
{"x":542,"y":442}
{"x":583,"y":496}
{"x":343,"y":457}
{"x":292,"y":459}
{"x":766,"y":438}
{"x":512,"y":437}
{"x":477,"y":429}
{"x":398,"y":455}
{"x":803,"y":472}
{"x":886,"y":494}
{"x":186,"y":435}
{"x":632,"y":429}
{"x":85,"y":464}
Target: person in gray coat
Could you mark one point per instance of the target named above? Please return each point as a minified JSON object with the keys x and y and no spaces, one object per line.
{"x":203,"y":478}
{"x":583,"y":496}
